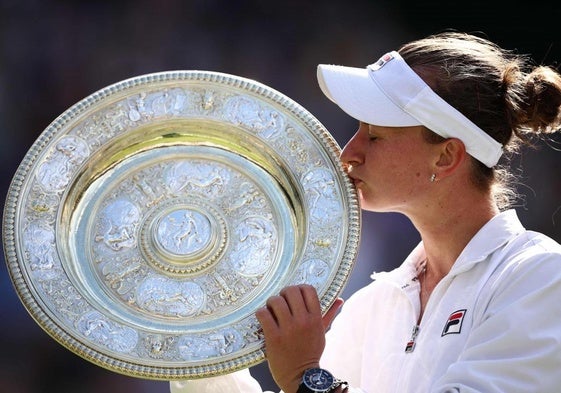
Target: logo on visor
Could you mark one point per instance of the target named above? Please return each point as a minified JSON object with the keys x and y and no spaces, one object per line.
{"x":454,"y":323}
{"x":381,"y":62}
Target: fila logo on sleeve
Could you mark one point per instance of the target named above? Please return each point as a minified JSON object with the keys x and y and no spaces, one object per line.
{"x":454,"y":323}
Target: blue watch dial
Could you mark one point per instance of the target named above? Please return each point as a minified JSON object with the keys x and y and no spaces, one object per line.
{"x":318,"y":379}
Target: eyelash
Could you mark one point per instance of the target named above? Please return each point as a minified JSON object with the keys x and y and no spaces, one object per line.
{"x":371,"y":137}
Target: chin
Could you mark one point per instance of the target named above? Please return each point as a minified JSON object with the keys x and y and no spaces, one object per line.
{"x":375,"y":206}
{"x":371,"y":203}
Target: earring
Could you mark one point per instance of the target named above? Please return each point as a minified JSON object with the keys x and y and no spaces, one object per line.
{"x":433,"y":177}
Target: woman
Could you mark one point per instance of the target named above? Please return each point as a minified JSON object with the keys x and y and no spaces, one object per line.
{"x":474,"y":308}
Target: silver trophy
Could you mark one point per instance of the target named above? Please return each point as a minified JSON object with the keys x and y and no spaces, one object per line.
{"x":149,"y":222}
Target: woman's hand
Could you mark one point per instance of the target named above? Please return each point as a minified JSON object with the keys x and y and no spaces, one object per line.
{"x":294,"y":333}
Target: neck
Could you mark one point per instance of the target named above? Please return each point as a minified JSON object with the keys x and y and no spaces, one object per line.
{"x":446,"y":231}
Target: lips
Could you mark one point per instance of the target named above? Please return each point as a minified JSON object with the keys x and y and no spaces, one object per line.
{"x":355,"y":180}
{"x":349,"y":169}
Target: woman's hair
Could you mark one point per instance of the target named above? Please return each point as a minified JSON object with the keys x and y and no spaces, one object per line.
{"x":506,"y":95}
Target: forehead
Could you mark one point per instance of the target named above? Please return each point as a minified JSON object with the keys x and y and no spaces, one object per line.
{"x":391,"y":131}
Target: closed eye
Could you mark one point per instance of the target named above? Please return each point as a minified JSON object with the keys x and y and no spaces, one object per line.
{"x":372,"y":133}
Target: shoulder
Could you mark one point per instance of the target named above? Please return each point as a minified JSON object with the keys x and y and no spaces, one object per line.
{"x":530,"y":246}
{"x":529,"y":264}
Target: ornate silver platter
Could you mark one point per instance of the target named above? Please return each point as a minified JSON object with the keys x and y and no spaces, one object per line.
{"x":149,"y":221}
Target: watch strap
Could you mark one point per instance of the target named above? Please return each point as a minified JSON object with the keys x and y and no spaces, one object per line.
{"x":336,"y":384}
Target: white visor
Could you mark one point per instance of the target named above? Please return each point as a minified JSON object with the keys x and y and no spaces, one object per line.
{"x":389,"y":93}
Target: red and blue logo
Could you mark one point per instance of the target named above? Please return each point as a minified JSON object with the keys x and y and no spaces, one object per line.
{"x":381,"y":62}
{"x":454,"y":323}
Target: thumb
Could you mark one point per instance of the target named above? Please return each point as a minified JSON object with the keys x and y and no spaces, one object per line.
{"x":331,"y":313}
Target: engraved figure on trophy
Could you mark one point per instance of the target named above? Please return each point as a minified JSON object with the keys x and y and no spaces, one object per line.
{"x":137,"y":109}
{"x":226,"y":341}
{"x":213,"y":345}
{"x":246,"y":112}
{"x":40,"y":242}
{"x":162,"y":103}
{"x":170,"y":298}
{"x":195,"y":348}
{"x":255,"y":247}
{"x":314,"y":272}
{"x":97,"y":328}
{"x":122,"y":275}
{"x":180,"y":101}
{"x":118,"y":224}
{"x":184,"y":231}
{"x":185,"y":176}
{"x":321,"y":194}
{"x":42,"y":205}
{"x":74,"y":149}
{"x":246,"y":196}
{"x":55,"y":173}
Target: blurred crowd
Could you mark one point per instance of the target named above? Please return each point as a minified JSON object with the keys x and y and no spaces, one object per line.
{"x":54,"y":53}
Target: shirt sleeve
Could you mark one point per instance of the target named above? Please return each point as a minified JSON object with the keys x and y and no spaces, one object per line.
{"x":236,"y":382}
{"x":345,"y":341}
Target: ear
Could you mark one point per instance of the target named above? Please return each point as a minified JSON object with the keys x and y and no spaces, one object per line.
{"x":452,"y":153}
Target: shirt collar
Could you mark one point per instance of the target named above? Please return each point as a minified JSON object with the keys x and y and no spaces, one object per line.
{"x":494,"y":234}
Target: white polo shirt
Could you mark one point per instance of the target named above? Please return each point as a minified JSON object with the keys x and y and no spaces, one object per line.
{"x":493,"y":324}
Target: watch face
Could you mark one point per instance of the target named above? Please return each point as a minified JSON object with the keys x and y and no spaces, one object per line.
{"x":318,"y":380}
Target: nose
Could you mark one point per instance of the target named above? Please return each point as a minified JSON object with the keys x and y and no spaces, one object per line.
{"x":351,"y":155}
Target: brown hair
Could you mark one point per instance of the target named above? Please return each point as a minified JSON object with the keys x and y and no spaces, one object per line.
{"x":502,"y":92}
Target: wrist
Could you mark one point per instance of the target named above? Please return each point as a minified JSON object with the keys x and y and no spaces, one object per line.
{"x":293,"y":384}
{"x":318,"y":380}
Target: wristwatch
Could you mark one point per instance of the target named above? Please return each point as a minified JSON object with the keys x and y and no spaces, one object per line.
{"x":318,"y":380}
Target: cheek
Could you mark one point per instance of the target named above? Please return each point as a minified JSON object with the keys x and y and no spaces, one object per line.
{"x":407,"y":161}
{"x":401,"y":174}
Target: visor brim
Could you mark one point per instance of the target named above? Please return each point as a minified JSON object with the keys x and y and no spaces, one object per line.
{"x":354,"y":91}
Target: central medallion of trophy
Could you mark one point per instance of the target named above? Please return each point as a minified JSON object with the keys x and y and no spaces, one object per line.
{"x":182,"y":237}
